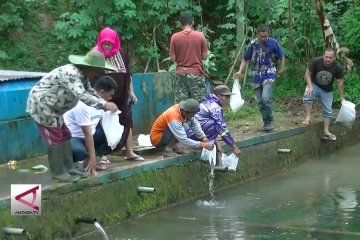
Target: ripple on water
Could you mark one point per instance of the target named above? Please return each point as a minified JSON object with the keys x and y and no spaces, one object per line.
{"x":210,"y":203}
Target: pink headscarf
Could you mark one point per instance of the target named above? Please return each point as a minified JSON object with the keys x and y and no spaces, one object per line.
{"x":108,"y":34}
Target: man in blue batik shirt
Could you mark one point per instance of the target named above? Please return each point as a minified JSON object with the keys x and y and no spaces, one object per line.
{"x":264,"y":53}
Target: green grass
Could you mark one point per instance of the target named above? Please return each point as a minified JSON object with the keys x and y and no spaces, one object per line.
{"x":284,"y":88}
{"x":292,"y":84}
{"x":289,"y":86}
{"x":248,"y":112}
{"x":351,"y":88}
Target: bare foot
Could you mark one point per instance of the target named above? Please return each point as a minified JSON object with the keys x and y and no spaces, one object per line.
{"x":306,"y":121}
{"x":169,"y":153}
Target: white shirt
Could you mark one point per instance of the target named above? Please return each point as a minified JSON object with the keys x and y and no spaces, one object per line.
{"x":82,"y":115}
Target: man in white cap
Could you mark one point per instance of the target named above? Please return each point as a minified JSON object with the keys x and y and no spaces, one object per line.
{"x":212,"y":121}
{"x":170,"y":128}
{"x":57,"y":92}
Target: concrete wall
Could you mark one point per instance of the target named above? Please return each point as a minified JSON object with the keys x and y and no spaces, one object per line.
{"x":13,"y":97}
{"x":20,"y":138}
{"x":112,"y":197}
{"x":155,"y":92}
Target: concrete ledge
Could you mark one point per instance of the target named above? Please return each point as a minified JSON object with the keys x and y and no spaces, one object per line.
{"x":119,"y":173}
{"x":112,"y":197}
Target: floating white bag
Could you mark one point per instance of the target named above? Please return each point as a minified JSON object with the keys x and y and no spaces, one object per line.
{"x":230,"y":161}
{"x":236,"y":101}
{"x":144,"y":140}
{"x":209,"y":155}
{"x":347,"y":113}
{"x":112,"y":128}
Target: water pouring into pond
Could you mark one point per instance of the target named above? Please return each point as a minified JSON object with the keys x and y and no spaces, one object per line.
{"x":91,"y":220}
{"x":101,"y":230}
{"x":212,"y":202}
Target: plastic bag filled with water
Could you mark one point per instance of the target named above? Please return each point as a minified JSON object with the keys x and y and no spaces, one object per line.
{"x":347,"y":113}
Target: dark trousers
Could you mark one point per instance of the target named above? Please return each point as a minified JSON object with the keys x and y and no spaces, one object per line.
{"x":80,"y":151}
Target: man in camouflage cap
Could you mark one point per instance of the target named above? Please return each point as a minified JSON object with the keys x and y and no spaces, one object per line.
{"x":212,"y":121}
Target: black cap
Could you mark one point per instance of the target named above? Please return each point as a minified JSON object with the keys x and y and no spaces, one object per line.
{"x":189,"y":105}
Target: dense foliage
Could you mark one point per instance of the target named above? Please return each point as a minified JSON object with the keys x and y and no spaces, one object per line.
{"x":350,"y":28}
{"x":38,"y":35}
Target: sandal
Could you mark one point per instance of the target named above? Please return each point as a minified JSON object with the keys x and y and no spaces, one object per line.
{"x":104,"y":160}
{"x":306,"y":122}
{"x":135,"y":158}
{"x":330,"y":137}
{"x":100,"y":167}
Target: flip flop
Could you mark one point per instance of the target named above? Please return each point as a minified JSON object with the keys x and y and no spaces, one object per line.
{"x":100,"y":167}
{"x":135,"y":158}
{"x":104,"y":160}
{"x":306,"y":122}
{"x":330,"y":137}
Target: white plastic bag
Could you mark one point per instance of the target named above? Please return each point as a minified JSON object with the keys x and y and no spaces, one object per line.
{"x":230,"y":161}
{"x":209,"y":155}
{"x":112,"y":128}
{"x":347,"y":113}
{"x":236,"y":101}
{"x":144,"y":140}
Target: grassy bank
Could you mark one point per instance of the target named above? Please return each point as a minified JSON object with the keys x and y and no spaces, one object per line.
{"x":288,"y":91}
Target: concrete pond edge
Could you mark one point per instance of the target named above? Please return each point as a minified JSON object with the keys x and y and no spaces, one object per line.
{"x":114,"y":197}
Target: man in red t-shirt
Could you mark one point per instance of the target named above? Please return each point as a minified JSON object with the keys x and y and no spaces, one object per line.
{"x":188,"y":48}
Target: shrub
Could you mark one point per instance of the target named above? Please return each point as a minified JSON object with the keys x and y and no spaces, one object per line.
{"x":349,"y":30}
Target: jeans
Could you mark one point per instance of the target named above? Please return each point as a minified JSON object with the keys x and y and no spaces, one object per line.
{"x":326,"y":99}
{"x":264,"y":100}
{"x":168,"y":139}
{"x":80,"y":151}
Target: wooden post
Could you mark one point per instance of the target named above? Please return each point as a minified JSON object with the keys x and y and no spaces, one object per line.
{"x":236,"y":60}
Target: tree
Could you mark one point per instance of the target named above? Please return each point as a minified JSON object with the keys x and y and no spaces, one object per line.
{"x":329,"y":36}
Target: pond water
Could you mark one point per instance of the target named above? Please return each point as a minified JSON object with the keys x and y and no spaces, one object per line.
{"x":317,"y":200}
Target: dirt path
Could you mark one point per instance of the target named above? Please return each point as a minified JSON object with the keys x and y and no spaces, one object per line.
{"x":292,"y":115}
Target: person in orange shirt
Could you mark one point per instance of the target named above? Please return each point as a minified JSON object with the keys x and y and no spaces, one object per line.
{"x":170,"y":128}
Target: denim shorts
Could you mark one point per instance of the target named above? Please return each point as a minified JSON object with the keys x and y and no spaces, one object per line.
{"x":326,"y":99}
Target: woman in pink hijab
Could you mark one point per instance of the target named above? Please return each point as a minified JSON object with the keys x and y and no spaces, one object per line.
{"x":109,"y":45}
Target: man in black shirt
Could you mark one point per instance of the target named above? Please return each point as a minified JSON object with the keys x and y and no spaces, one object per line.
{"x":319,"y":76}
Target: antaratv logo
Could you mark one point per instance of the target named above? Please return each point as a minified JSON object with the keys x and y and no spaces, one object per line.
{"x":25,"y":199}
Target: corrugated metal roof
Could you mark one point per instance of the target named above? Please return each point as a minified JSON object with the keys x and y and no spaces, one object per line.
{"x":8,"y":75}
